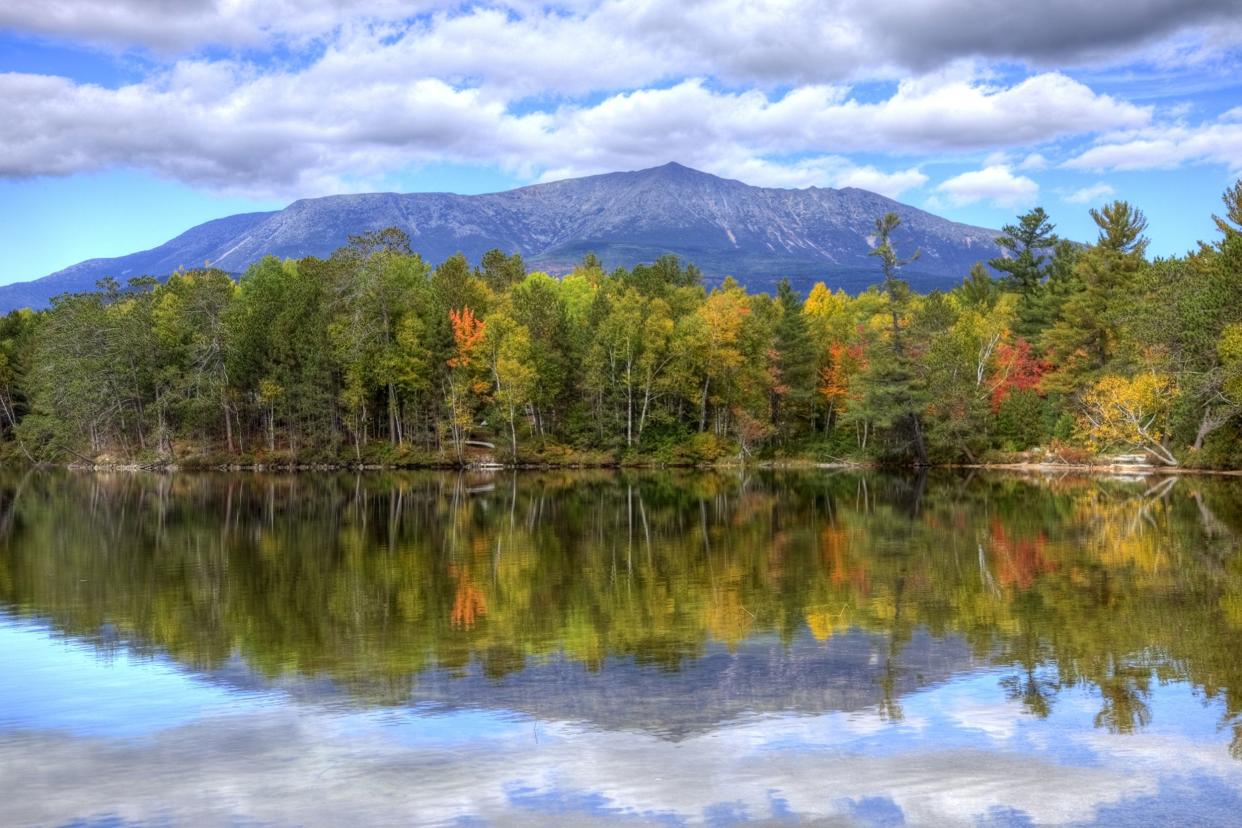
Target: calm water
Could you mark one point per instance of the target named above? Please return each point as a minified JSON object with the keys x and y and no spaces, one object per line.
{"x":591,"y":648}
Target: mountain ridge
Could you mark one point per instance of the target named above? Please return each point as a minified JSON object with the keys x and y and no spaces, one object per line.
{"x":724,"y":226}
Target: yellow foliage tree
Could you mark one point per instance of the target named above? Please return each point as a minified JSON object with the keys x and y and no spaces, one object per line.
{"x":1230,"y":349}
{"x":1130,"y":411}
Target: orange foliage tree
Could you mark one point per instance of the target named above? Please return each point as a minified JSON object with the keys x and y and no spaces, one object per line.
{"x":465,"y":382}
{"x":844,"y":363}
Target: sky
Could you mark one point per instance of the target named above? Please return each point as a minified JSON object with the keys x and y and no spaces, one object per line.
{"x":126,"y":122}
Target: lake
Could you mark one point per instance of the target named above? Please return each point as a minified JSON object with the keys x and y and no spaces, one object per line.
{"x":595,"y":647}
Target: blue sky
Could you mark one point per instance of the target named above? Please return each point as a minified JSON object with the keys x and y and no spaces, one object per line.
{"x":121,"y":126}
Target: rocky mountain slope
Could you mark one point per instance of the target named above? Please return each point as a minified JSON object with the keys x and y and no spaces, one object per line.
{"x":756,"y":234}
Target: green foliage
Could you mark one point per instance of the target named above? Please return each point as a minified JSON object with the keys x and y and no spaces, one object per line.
{"x":793,"y":386}
{"x":892,"y":393}
{"x":1088,"y":335}
{"x":372,"y":355}
{"x":1021,"y":421}
{"x":500,"y":272}
{"x":1024,"y":242}
{"x":979,"y":290}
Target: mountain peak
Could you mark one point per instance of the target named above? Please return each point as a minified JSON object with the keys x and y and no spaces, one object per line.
{"x":675,"y":171}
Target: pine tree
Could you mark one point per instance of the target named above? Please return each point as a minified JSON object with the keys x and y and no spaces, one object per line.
{"x":979,"y":290}
{"x":891,"y":398}
{"x":1083,"y":342}
{"x":1025,"y":270}
{"x":795,"y":361}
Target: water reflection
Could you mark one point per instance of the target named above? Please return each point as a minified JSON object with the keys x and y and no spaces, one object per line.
{"x":664,"y":647}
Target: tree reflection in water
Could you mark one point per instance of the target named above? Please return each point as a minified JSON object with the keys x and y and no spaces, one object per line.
{"x":382,"y":581}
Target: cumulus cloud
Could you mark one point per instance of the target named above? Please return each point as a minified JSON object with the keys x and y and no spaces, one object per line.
{"x":262,"y":136}
{"x":1034,"y":161}
{"x":996,"y":185}
{"x":1090,"y":195}
{"x":825,"y":171}
{"x":1166,"y":146}
{"x":222,"y":125}
{"x":787,"y":41}
{"x":584,"y":86}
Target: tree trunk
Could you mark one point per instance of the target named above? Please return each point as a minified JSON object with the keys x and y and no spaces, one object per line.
{"x":394,"y":418}
{"x":512,"y":432}
{"x":1213,"y":418}
{"x":920,"y":447}
{"x":10,"y":415}
{"x":642,"y":417}
{"x":629,"y":408}
{"x":1161,"y":453}
{"x":703,"y":407}
{"x":228,"y":427}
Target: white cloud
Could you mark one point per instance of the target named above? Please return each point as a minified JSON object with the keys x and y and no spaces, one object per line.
{"x":1033,"y":162}
{"x":825,"y":171}
{"x":888,"y":184}
{"x":1090,"y":195}
{"x":337,"y":125}
{"x":1166,"y":146}
{"x":934,"y":114}
{"x":996,"y":185}
{"x":265,"y":135}
{"x":777,"y":41}
{"x":586,"y":86}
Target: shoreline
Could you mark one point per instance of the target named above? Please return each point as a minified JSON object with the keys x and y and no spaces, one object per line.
{"x":791,"y":464}
{"x":1104,"y":469}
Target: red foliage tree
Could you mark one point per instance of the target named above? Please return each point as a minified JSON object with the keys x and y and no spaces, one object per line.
{"x":1015,"y":369}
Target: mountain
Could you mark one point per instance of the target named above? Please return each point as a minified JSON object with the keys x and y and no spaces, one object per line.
{"x":757,"y":234}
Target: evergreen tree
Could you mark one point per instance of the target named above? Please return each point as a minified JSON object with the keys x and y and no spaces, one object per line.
{"x":979,"y":290}
{"x":499,"y":271}
{"x":1025,"y":240}
{"x":891,"y":398}
{"x":1025,"y":268}
{"x":793,"y":395}
{"x":1086,"y":338}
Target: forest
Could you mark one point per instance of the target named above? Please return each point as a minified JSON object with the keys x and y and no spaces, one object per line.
{"x":1055,"y":351}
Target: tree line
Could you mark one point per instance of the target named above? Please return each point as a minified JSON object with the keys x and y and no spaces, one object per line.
{"x":373,"y":355}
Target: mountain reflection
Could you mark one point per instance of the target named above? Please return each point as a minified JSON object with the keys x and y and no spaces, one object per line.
{"x":665,"y":601}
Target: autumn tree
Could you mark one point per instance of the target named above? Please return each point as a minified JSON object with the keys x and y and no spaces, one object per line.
{"x":836,"y":378}
{"x":466,"y":383}
{"x":1131,"y":412}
